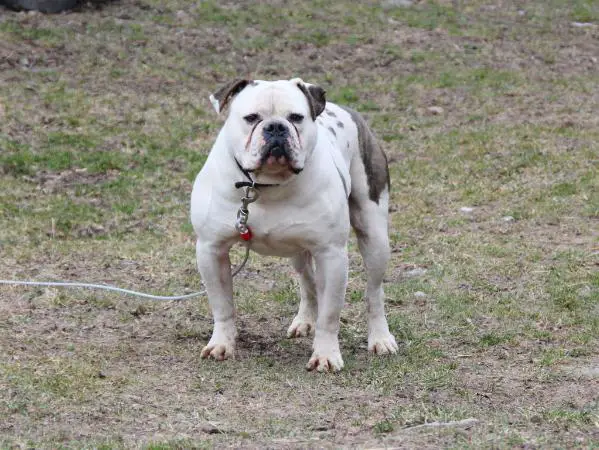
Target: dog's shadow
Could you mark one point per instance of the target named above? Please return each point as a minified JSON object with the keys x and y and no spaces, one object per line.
{"x":255,"y":338}
{"x":270,"y":342}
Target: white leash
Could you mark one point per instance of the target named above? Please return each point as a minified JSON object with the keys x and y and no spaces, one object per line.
{"x":107,"y":287}
{"x":100,"y":286}
{"x":251,"y":195}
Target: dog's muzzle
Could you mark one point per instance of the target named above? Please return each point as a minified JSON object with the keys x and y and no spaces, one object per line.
{"x":276,"y":149}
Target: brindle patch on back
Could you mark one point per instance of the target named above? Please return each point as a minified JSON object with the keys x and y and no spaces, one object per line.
{"x":373,"y":157}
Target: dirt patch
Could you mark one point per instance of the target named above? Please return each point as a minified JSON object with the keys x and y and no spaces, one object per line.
{"x":52,"y":182}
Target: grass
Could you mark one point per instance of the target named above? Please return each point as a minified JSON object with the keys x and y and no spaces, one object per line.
{"x":105,"y":123}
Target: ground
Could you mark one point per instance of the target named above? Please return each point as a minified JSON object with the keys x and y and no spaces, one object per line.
{"x":488,"y":112}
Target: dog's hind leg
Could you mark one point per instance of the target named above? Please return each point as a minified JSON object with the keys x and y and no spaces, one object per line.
{"x":303,"y":323}
{"x":369,"y":221}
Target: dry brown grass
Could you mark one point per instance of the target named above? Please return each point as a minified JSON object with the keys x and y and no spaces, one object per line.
{"x":104,"y":122}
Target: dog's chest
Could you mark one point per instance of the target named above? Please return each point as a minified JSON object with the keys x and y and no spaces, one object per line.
{"x":288,"y":230}
{"x":287,"y":241}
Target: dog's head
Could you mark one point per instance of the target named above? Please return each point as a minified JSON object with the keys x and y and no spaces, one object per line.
{"x":271,"y":127}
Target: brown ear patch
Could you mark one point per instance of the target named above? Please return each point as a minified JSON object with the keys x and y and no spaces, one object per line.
{"x":221,"y":98}
{"x":316,"y":98}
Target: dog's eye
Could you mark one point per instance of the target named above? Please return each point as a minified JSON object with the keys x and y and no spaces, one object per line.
{"x":295,"y":118}
{"x":252,"y":118}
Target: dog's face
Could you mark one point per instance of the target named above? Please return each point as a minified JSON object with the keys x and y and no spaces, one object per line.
{"x":271,"y":127}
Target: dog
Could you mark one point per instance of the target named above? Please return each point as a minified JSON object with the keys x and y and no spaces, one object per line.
{"x":317,"y":169}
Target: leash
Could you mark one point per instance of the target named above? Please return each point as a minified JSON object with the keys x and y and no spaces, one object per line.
{"x":108,"y":287}
{"x":251,"y":195}
{"x":101,"y":286}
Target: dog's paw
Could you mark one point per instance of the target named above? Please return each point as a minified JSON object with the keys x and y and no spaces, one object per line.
{"x":329,"y":363}
{"x":222,"y":343}
{"x":300,"y":327}
{"x":326,"y":356}
{"x":382,"y":343}
{"x":217,"y":351}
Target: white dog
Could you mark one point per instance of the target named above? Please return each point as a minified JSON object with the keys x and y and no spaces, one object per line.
{"x":317,"y":169}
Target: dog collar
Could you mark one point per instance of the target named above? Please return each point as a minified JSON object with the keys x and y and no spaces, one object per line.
{"x":250,"y":183}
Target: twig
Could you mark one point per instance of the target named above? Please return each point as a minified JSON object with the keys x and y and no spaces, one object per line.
{"x":455,"y":423}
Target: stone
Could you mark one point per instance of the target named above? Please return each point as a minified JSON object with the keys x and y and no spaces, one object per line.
{"x":417,"y":272}
{"x":388,"y":4}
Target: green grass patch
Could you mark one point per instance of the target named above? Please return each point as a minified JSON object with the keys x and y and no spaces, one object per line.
{"x":45,"y":35}
{"x":492,"y":339}
{"x":585,"y":11}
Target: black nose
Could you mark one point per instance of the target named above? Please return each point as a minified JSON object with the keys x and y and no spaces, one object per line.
{"x":275,"y":129}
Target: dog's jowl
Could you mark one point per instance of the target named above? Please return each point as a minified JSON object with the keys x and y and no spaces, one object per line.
{"x":318,"y":170}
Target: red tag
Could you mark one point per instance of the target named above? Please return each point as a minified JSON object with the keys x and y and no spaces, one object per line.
{"x":247,"y":235}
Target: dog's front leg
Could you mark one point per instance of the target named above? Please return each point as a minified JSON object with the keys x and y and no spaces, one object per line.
{"x":215,"y":268}
{"x":331,"y":279}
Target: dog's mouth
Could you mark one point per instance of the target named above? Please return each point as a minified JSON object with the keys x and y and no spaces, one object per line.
{"x":276,"y":158}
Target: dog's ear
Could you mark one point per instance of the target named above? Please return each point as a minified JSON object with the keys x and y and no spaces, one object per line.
{"x":221,"y":98}
{"x":315,"y":95}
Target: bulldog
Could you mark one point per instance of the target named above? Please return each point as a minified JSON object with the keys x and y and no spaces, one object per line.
{"x":316,"y":169}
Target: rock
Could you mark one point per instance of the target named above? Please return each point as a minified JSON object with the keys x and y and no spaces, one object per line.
{"x":466,"y":209}
{"x":435,"y":110}
{"x":210,"y":428}
{"x":388,"y":4}
{"x":582,"y":24}
{"x":584,"y":291}
{"x":417,"y":272}
{"x":420,"y":294}
{"x":508,"y":219}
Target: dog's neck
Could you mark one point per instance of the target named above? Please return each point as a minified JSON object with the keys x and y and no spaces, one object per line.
{"x":250,"y":181}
